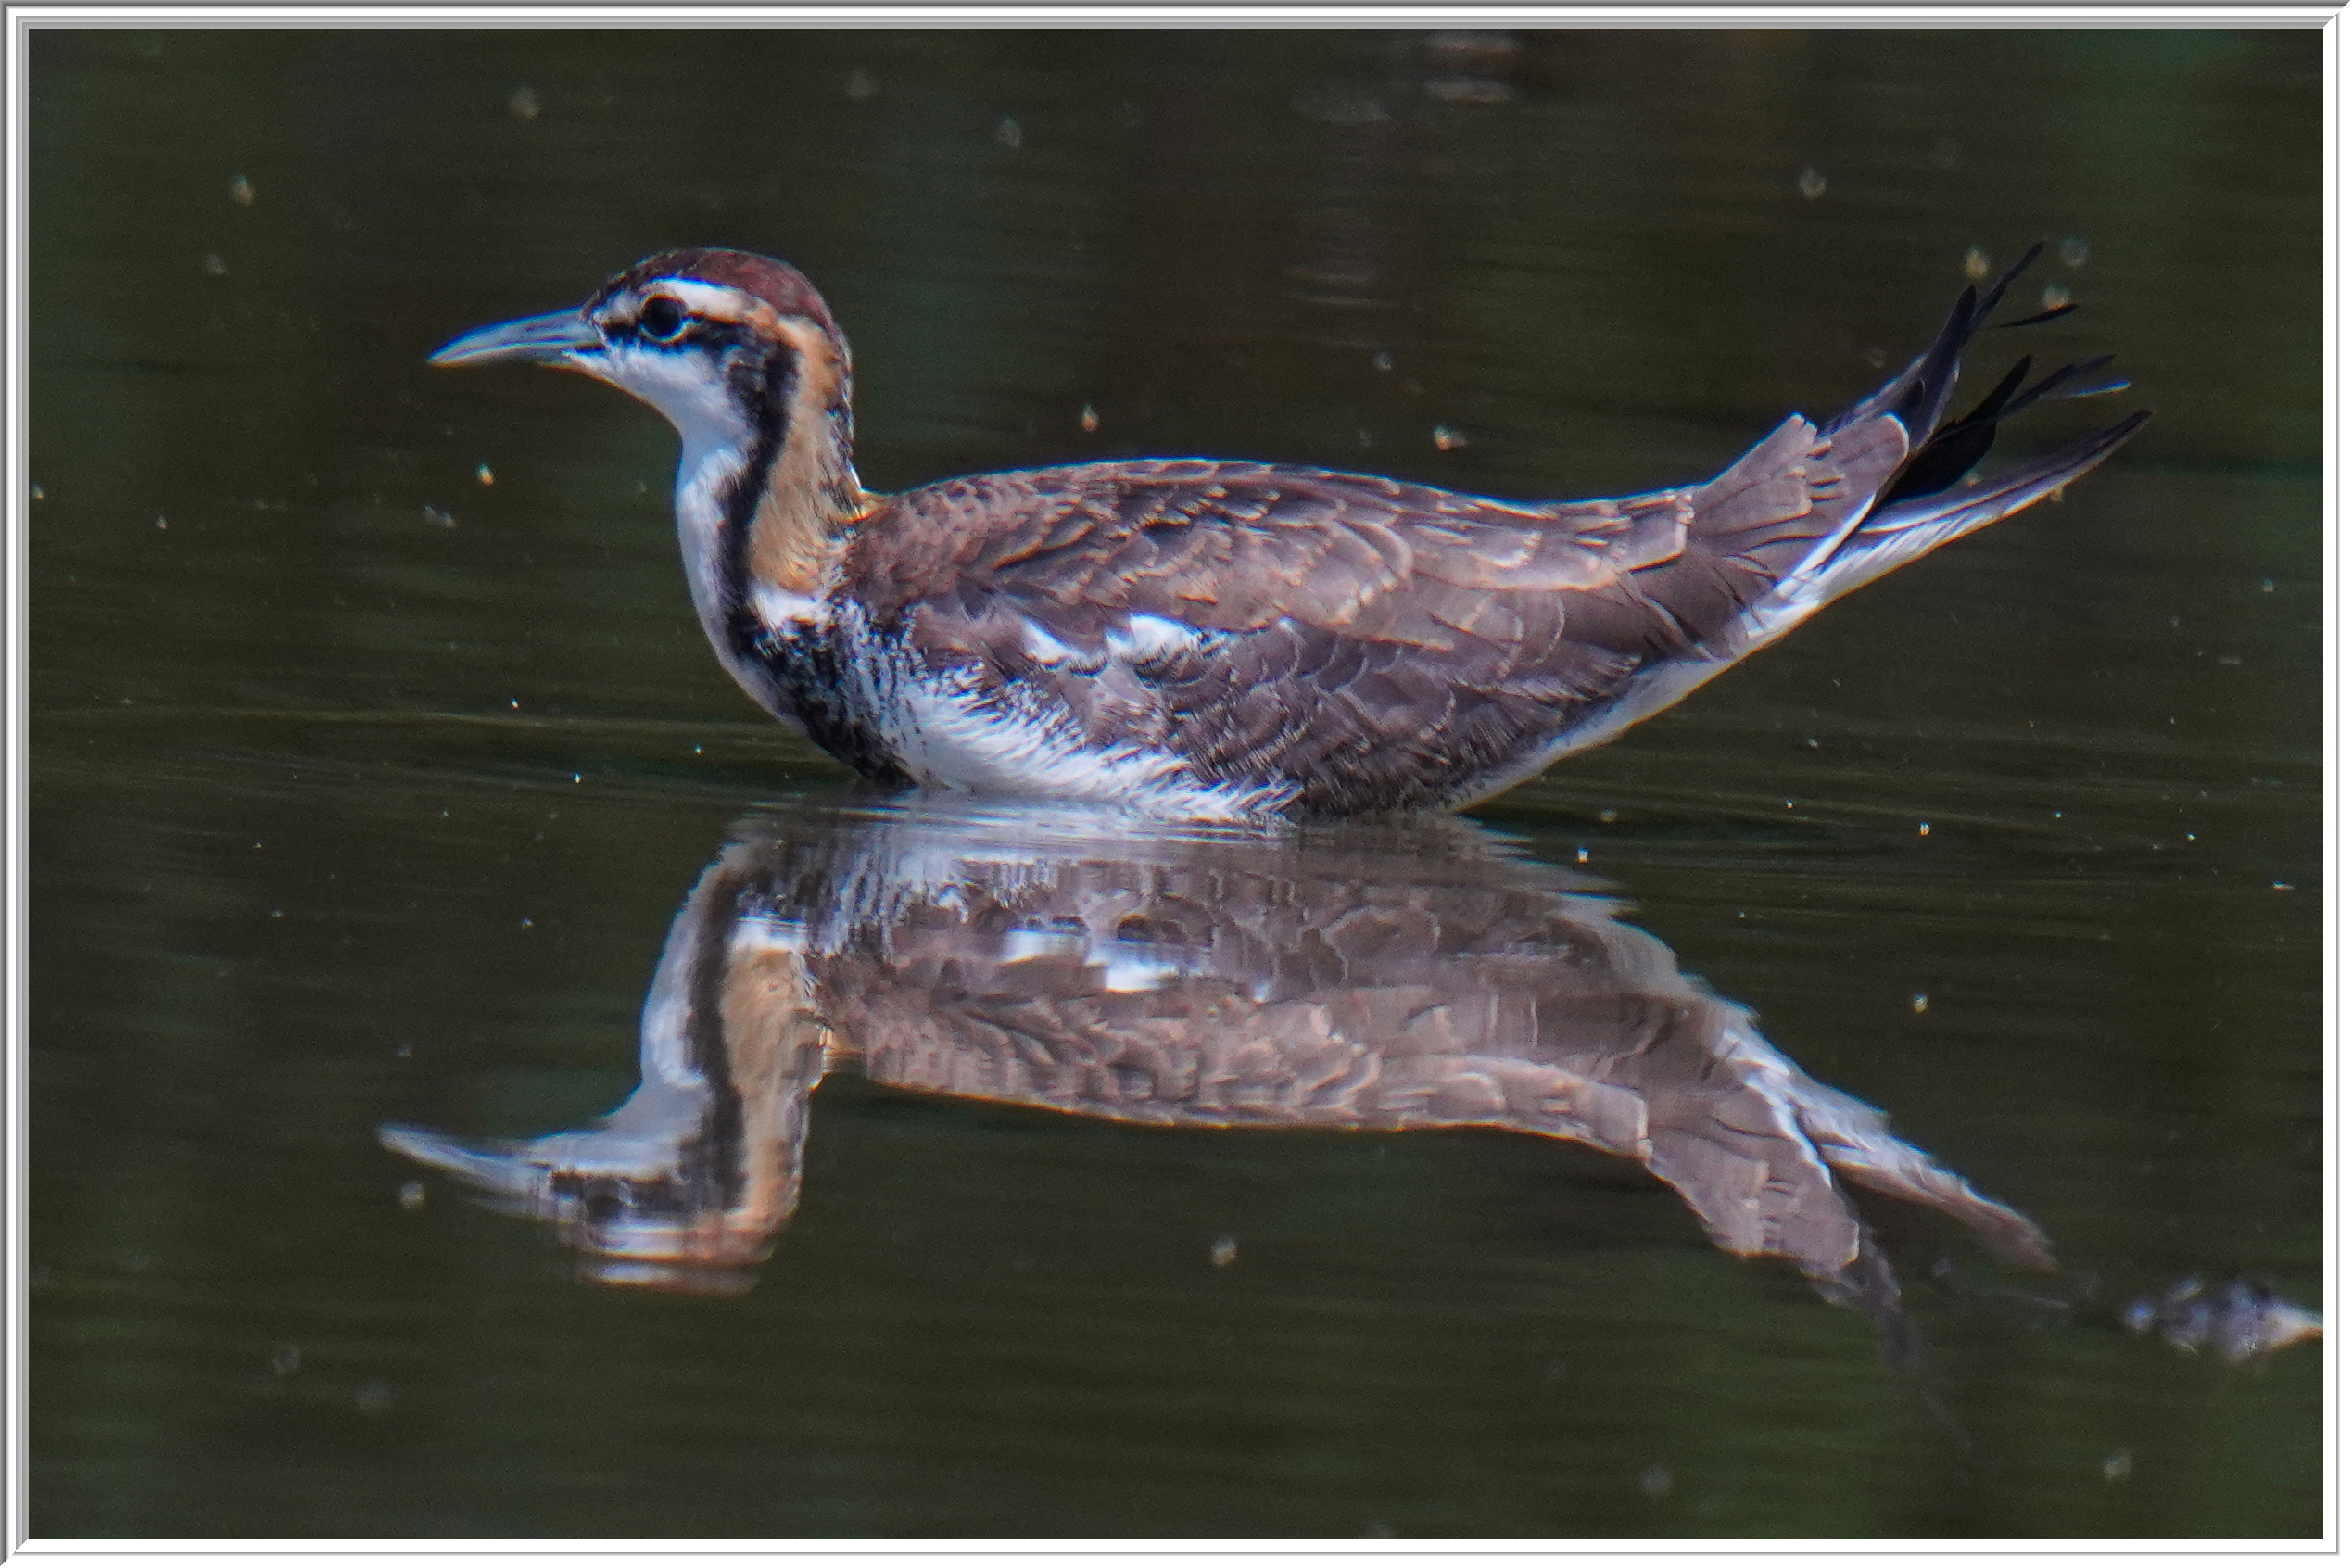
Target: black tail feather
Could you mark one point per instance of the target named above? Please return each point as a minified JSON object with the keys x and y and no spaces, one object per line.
{"x":1961,"y":444}
{"x":1944,"y":459}
{"x":2056,"y":379}
{"x":2015,"y":488}
{"x":1918,"y":395}
{"x":2052,"y":314}
{"x":2017,"y":269}
{"x":1996,"y":402}
{"x":2100,"y":389}
{"x":1930,"y":381}
{"x":1938,"y":465}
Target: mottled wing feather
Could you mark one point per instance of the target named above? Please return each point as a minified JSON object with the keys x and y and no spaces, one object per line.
{"x":1381,"y":643}
{"x":1288,"y":998}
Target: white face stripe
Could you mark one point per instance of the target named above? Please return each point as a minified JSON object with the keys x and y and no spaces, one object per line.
{"x":715,"y":302}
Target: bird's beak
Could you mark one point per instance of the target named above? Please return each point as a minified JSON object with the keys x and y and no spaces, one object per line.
{"x":538,"y":340}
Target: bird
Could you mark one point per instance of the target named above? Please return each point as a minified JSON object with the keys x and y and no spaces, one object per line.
{"x":1210,"y":638}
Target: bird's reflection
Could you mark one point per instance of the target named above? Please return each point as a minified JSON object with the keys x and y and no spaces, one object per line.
{"x":1364,"y":977}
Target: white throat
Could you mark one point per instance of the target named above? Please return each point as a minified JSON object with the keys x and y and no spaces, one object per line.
{"x":707,"y":464}
{"x":715,"y":445}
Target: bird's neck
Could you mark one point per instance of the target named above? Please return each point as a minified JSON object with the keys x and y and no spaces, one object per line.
{"x":765,"y":504}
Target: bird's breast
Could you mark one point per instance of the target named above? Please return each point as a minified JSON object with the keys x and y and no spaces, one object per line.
{"x":828,"y":673}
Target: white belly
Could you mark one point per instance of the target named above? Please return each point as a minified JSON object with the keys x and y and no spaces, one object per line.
{"x":947,"y":734}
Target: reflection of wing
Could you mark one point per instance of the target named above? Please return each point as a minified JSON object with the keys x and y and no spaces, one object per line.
{"x":1751,"y":1142}
{"x":1315,"y":992}
{"x":1384,"y":642}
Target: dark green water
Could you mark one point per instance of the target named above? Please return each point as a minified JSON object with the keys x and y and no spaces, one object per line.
{"x":364,"y":791}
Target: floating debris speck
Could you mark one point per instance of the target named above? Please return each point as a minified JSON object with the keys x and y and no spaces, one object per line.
{"x":241,"y":191}
{"x":1976,"y":263}
{"x":1009,"y":132}
{"x":1223,"y":1251}
{"x":412,"y":1196}
{"x":1448,"y":438}
{"x":482,"y":475}
{"x":2056,"y":294}
{"x":2239,"y":1319}
{"x":214,"y":266}
{"x":1657,"y":1481}
{"x":523,"y":103}
{"x":861,"y":85}
{"x":2074,"y":251}
{"x":2117,"y":1465}
{"x":1811,"y":184}
{"x":1088,"y":420}
{"x":1919,"y":1002}
{"x":286,"y":1359}
{"x":1383,"y":362}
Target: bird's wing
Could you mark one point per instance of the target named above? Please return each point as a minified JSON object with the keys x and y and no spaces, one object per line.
{"x":1391,"y":642}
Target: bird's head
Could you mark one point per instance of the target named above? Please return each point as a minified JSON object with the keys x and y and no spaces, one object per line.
{"x":735,"y":348}
{"x":741,"y":354}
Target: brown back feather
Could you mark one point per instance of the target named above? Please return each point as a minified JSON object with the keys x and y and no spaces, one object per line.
{"x":1386,"y":643}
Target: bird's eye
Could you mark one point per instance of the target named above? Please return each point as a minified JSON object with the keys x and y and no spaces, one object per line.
{"x":662,"y":320}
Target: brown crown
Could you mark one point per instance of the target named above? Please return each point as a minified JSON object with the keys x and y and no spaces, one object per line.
{"x":760,"y":276}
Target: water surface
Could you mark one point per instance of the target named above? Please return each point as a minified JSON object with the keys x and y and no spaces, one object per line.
{"x":374,"y":749}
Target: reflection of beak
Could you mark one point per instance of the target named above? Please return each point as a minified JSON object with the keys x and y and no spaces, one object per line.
{"x":536,"y":340}
{"x":589,"y":1186}
{"x":497,"y":1172}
